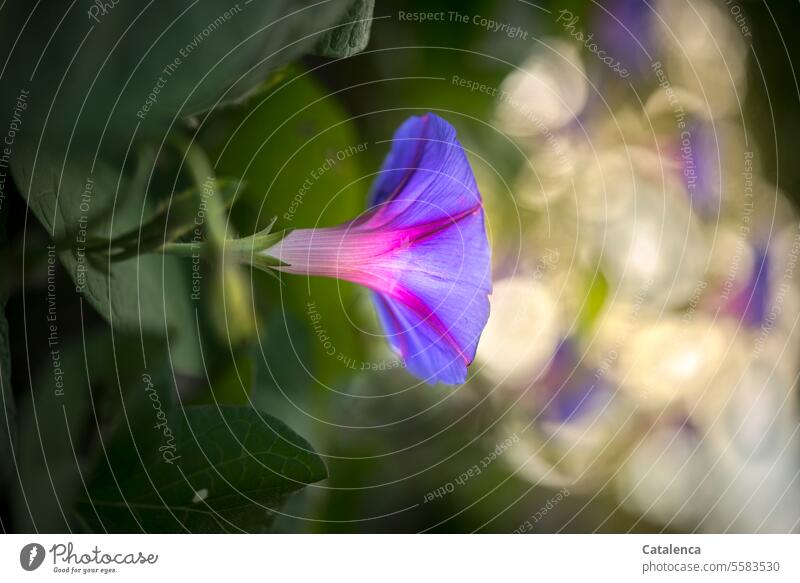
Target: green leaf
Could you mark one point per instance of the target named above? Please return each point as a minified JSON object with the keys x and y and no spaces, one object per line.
{"x":283,"y":354}
{"x":282,"y":367}
{"x":297,"y":152}
{"x":351,"y":35}
{"x":230,"y":376}
{"x":227,"y":470}
{"x":78,"y":200}
{"x":134,"y":69}
{"x":7,"y":408}
{"x":82,"y":83}
{"x":74,"y":399}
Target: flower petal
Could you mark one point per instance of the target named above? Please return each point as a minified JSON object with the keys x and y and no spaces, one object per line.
{"x":435,"y":315}
{"x":438,"y":307}
{"x":426,"y":177}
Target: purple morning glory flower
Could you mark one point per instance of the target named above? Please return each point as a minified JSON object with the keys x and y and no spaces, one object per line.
{"x":421,"y":248}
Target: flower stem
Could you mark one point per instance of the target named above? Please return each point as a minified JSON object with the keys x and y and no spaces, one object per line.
{"x":203,"y":176}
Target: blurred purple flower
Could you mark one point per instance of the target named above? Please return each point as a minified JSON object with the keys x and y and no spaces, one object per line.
{"x":699,"y":161}
{"x":625,"y":30}
{"x":750,"y":304}
{"x":421,"y":248}
{"x":571,"y":388}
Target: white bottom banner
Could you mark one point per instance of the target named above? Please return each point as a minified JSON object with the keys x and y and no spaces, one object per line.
{"x":356,"y":558}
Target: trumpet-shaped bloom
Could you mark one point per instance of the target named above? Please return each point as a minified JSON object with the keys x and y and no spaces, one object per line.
{"x":421,"y":248}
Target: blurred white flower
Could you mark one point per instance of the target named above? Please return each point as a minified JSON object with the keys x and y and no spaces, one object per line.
{"x":664,"y":476}
{"x":546,"y":93}
{"x":668,"y":360}
{"x":704,"y":52}
{"x":653,"y":243}
{"x":522,"y":333}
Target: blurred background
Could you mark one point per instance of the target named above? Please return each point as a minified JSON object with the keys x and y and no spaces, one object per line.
{"x":639,"y":369}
